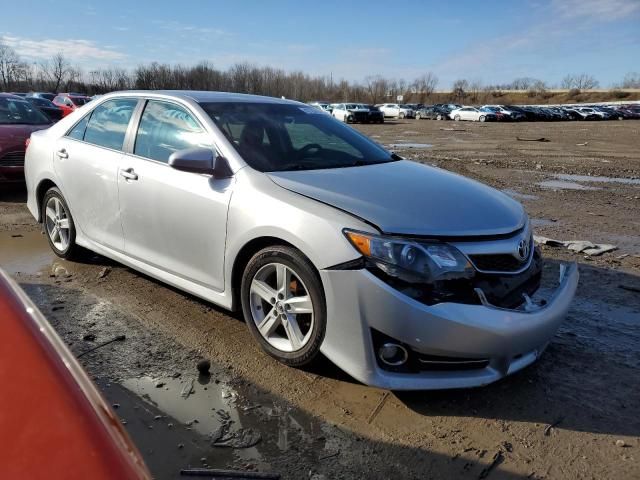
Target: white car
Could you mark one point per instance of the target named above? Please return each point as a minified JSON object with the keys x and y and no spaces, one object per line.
{"x":396,"y":110}
{"x":468,"y":113}
{"x":404,"y":275}
{"x":350,"y":112}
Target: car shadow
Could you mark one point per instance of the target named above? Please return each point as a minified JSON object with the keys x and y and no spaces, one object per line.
{"x":13,"y":192}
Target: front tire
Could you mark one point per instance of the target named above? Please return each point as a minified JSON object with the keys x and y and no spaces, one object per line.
{"x":283,"y":305}
{"x":457,"y":118}
{"x":58,"y":224}
{"x":401,"y":115}
{"x":482,"y":118}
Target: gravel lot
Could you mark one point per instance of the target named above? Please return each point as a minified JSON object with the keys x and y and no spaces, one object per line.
{"x":574,"y":414}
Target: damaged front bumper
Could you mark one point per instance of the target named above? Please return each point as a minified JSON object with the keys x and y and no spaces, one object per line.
{"x":488,"y":342}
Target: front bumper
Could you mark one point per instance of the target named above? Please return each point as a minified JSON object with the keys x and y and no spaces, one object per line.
{"x":358,"y":301}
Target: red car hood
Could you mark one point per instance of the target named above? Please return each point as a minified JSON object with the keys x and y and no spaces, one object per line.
{"x":12,"y":137}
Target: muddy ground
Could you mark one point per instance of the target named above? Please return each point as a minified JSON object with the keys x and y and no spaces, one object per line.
{"x":564,"y":417}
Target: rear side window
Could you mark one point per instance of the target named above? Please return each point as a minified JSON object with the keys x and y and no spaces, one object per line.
{"x":166,"y":128}
{"x":77,"y":132}
{"x":108,"y":123}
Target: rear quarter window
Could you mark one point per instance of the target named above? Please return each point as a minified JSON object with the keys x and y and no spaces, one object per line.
{"x":108,"y":123}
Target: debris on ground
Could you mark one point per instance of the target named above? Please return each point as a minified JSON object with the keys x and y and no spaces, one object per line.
{"x":89,"y":337}
{"x":498,"y":458}
{"x":118,"y":338}
{"x":539,"y":139}
{"x":582,"y":144}
{"x":453,"y":129}
{"x":378,"y":407}
{"x":104,"y":272}
{"x":187,"y":389}
{"x":621,"y":443}
{"x":203,"y":366}
{"x":329,"y":455}
{"x":577,"y":246}
{"x":215,"y":474}
{"x":243,"y":438}
{"x":547,"y":429}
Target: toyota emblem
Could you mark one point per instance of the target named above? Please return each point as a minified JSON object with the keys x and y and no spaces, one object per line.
{"x":523,"y":249}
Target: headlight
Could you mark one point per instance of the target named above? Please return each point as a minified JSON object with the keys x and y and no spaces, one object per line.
{"x":412,"y":261}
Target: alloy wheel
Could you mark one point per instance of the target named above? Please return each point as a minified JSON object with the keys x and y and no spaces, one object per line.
{"x":281,"y":307}
{"x":57,"y":223}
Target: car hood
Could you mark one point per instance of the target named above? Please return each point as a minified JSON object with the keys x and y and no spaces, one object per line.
{"x":12,"y":136}
{"x":409,"y":198}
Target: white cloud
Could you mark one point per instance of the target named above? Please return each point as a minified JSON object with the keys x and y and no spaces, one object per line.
{"x":597,"y":10}
{"x":74,"y":49}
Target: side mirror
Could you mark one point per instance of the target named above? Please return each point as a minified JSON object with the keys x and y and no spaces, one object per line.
{"x":200,"y":160}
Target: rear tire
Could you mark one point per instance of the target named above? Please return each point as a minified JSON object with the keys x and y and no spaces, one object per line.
{"x":58,"y":224}
{"x":401,"y":115}
{"x":283,"y":273}
{"x":482,"y":118}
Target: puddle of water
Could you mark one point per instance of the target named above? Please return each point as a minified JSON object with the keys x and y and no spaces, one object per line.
{"x":29,"y":253}
{"x":518,"y":195}
{"x":542,"y":222}
{"x":409,"y":145}
{"x":596,"y":179}
{"x":564,"y":185}
{"x":206,"y":406}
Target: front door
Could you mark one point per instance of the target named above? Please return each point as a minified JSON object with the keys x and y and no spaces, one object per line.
{"x":173,"y":220}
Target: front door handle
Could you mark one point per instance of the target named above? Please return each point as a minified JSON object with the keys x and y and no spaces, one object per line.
{"x":62,"y":153}
{"x":129,"y":174}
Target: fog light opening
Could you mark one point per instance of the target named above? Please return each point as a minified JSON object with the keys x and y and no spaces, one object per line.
{"x":393,"y":354}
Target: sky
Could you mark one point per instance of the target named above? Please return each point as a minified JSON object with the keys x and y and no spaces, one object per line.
{"x":491,"y":41}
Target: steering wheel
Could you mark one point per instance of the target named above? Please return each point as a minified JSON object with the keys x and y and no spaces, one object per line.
{"x":307,"y":148}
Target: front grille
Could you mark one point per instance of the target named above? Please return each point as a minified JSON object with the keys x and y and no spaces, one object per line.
{"x":12,"y":159}
{"x":360,"y":116}
{"x":502,"y":262}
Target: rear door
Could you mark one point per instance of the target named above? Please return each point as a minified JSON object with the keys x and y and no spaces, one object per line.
{"x":173,"y":220}
{"x":87,"y":160}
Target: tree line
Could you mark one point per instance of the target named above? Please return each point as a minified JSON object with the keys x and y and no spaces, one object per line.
{"x":59,"y":74}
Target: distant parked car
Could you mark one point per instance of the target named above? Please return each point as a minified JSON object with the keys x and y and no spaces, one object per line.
{"x":350,"y":112}
{"x":493,"y":110}
{"x":18,"y":119}
{"x":68,"y":102}
{"x":472,"y":114}
{"x":433,"y":112}
{"x":375,"y":115}
{"x":324,"y":106}
{"x":18,"y":94}
{"x":506,"y":113}
{"x":47,"y":95}
{"x":47,"y":107}
{"x":396,"y":110}
{"x":587,"y":113}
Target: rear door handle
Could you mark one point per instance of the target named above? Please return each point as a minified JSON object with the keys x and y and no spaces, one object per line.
{"x":129,"y":174}
{"x":62,"y":153}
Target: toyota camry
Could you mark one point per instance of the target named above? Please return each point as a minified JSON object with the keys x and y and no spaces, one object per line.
{"x":404,"y":275}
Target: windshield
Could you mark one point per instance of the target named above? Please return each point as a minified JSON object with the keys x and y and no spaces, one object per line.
{"x":79,"y":101}
{"x":14,"y":111}
{"x":279,"y":137}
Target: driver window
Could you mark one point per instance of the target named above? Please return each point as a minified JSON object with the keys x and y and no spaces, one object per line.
{"x":166,"y":128}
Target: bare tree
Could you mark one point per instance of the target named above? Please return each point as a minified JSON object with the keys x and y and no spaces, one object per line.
{"x":582,"y":81}
{"x":475,"y":87}
{"x":57,"y":71}
{"x":459,"y":89}
{"x":631,"y":80}
{"x":425,"y":85}
{"x":9,"y":65}
{"x":377,"y":88}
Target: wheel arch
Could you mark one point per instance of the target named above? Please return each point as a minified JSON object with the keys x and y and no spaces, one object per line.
{"x":247,"y":251}
{"x":42,"y":188}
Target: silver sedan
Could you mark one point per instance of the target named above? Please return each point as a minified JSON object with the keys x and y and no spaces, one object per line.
{"x":406,"y":276}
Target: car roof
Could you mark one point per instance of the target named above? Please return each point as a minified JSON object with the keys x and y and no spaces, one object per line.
{"x":206,"y":96}
{"x":11,"y":95}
